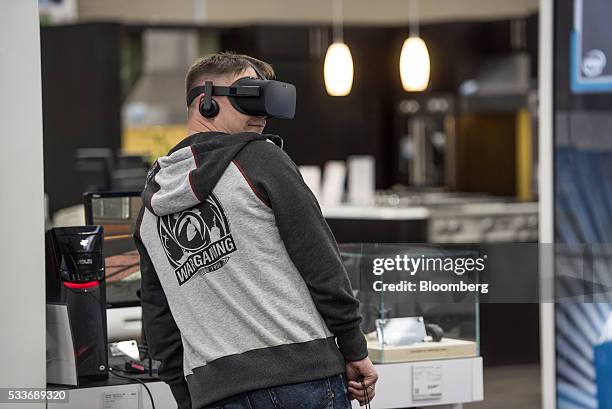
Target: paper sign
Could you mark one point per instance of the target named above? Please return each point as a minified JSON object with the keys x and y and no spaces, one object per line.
{"x":61,"y":365}
{"x":426,"y":382}
{"x":361,"y":180}
{"x":334,"y":175}
{"x":123,"y":399}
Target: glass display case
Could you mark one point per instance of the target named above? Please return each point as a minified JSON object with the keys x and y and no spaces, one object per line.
{"x":418,"y":302}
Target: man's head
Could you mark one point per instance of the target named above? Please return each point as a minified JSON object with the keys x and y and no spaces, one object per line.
{"x":224,"y":69}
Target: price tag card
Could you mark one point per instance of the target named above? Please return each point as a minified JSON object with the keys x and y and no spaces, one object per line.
{"x":426,"y":382}
{"x":126,"y":398}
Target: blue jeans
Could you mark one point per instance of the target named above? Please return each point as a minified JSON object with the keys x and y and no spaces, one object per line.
{"x":328,"y":393}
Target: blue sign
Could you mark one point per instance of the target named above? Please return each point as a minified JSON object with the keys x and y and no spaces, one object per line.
{"x":591,"y":46}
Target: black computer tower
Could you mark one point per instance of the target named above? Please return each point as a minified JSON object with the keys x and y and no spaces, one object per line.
{"x":75,"y":277}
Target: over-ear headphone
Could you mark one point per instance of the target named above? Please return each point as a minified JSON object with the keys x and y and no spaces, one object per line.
{"x":209,"y":108}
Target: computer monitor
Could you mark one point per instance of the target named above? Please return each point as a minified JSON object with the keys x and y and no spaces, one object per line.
{"x":117,"y":212}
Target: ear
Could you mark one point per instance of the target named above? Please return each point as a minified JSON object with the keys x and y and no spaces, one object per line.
{"x":193,"y":110}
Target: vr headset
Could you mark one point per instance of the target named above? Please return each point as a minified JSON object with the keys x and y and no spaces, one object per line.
{"x":251,"y":96}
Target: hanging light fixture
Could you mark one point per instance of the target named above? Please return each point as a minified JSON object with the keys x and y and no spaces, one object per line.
{"x":338,"y":65}
{"x":414,"y":59}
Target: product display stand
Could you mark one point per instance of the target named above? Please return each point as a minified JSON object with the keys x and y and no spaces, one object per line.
{"x":447,"y":383}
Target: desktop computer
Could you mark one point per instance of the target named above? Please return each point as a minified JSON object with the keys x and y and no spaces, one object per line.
{"x":76,"y":278}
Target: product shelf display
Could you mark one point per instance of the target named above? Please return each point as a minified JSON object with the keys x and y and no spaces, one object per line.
{"x":420,"y":309}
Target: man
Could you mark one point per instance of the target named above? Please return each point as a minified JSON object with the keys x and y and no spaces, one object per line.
{"x":245,"y":299}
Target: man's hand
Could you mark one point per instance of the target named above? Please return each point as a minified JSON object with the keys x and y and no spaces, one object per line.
{"x":361,"y":371}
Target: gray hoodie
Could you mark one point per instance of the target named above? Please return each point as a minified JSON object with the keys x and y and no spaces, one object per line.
{"x":242,"y":283}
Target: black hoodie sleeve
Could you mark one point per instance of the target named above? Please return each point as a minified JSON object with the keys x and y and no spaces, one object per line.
{"x":162,"y":335}
{"x":310,"y":243}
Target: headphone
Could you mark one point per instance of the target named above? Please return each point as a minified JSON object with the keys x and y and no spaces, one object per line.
{"x":208,"y":107}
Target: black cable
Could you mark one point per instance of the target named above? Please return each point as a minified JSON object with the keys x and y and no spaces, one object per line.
{"x":114,"y":372}
{"x":367,"y":398}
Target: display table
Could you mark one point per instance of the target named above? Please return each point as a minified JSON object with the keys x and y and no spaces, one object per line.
{"x":460,"y":381}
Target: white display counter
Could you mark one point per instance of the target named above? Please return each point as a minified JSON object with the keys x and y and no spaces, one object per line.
{"x":460,"y":381}
{"x":456,"y":381}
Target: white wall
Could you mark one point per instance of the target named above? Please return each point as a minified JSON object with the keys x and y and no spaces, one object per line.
{"x":152,"y":11}
{"x":363,"y":11}
{"x":378,"y":12}
{"x":22,"y":280}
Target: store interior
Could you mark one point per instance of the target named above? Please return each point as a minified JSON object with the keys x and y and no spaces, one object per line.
{"x":499,"y":146}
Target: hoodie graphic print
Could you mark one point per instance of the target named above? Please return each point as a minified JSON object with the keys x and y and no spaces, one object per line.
{"x":243,"y":287}
{"x":197,"y":240}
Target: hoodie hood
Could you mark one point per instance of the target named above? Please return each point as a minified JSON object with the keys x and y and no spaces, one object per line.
{"x":190,"y":171}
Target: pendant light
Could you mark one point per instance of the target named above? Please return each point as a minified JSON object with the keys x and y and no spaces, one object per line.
{"x":414,"y":59}
{"x":338,"y":65}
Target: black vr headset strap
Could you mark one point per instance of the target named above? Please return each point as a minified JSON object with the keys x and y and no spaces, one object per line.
{"x":231,"y":91}
{"x":194,"y":93}
{"x":210,"y":90}
{"x":236,"y":91}
{"x":208,"y":93}
{"x":261,"y":76}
